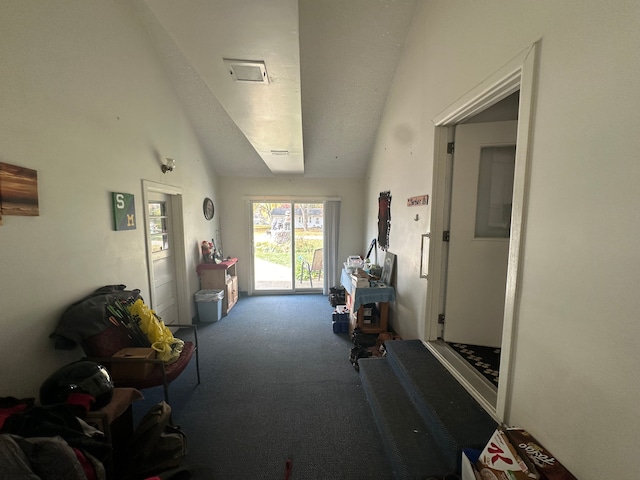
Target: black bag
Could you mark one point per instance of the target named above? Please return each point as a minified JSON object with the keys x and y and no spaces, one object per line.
{"x":337,"y":296}
{"x":365,"y":340}
{"x":88,"y":316}
{"x":156,"y":445}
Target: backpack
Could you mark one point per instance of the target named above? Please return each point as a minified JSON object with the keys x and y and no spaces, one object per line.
{"x":156,"y":445}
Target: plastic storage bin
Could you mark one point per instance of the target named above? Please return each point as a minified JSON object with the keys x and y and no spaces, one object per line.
{"x":209,"y":305}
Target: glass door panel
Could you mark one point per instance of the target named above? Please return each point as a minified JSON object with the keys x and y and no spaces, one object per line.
{"x":287,"y":246}
{"x":308,"y":241}
{"x":272,"y":246}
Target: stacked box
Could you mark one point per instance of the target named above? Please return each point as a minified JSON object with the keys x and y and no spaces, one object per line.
{"x":360,"y":279}
{"x":341,"y":319}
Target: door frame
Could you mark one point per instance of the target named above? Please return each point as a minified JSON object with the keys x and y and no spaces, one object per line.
{"x":177,"y":222}
{"x":329,"y":258}
{"x":519,"y":74}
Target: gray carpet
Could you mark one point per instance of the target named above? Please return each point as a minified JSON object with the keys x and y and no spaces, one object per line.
{"x":277,"y":384}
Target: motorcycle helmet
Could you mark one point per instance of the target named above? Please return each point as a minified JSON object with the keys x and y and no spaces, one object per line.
{"x":82,"y":376}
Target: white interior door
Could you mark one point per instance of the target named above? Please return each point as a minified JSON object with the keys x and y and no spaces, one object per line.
{"x":481,"y":200}
{"x":163,"y":255}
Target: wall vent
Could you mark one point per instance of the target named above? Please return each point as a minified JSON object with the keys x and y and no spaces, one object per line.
{"x":247,"y":71}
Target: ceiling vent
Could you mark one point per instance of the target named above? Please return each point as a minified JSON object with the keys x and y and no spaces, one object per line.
{"x":247,"y":71}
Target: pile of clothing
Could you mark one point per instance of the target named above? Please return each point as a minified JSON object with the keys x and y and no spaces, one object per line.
{"x":49,"y":442}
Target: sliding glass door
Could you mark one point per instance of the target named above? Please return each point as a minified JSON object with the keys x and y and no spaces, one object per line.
{"x":287,"y":246}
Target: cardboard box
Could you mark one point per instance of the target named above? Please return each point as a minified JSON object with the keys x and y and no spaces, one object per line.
{"x":360,"y":279}
{"x":547,"y":466}
{"x":133,"y":370}
{"x":500,"y":460}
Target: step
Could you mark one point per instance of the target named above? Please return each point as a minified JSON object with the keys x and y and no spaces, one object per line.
{"x":450,"y":413}
{"x":412,"y":449}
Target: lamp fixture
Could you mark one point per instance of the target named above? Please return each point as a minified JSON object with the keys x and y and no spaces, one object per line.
{"x":169,"y":165}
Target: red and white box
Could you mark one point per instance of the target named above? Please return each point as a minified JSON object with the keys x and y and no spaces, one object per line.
{"x":500,"y":460}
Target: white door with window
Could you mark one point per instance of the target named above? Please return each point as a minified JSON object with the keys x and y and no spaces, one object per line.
{"x":162,"y":240}
{"x":481,"y":200}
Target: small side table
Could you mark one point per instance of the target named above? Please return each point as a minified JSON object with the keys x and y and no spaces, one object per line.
{"x":115,"y":420}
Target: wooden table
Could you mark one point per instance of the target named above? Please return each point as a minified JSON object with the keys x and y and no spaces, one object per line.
{"x":357,"y":298}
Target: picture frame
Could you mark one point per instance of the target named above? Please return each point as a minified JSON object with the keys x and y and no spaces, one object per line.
{"x":208,"y":209}
{"x":388,"y":268}
{"x":18,"y":191}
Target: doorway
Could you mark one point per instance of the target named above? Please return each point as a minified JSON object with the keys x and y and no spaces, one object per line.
{"x":288,"y":246}
{"x":165,"y":252}
{"x":516,"y":76}
{"x":479,"y":227}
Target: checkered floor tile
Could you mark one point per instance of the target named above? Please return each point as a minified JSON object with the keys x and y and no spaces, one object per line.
{"x":485,"y":360}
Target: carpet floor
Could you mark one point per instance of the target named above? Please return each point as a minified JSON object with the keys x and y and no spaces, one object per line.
{"x":277,"y":385}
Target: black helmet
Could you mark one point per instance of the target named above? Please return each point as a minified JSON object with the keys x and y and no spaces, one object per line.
{"x":82,"y":376}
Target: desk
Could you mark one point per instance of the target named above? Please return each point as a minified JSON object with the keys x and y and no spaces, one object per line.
{"x":357,"y":297}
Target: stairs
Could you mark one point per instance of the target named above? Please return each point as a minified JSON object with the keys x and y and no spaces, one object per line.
{"x":425,"y":417}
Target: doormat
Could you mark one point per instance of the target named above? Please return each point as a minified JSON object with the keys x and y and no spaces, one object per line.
{"x":485,"y":360}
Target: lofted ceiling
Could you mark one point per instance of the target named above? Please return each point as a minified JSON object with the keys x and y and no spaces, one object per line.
{"x":312,"y":104}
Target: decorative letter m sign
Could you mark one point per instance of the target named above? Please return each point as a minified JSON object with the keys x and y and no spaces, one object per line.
{"x":124,"y":211}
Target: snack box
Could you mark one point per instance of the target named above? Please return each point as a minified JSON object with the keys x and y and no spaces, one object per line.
{"x":547,"y":466}
{"x":500,"y":460}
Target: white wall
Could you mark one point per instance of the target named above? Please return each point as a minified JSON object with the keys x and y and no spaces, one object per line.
{"x":576,"y":354}
{"x":86,"y":103}
{"x":236,"y":221}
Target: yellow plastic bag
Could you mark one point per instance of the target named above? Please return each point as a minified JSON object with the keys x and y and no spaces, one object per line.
{"x":168,"y":347}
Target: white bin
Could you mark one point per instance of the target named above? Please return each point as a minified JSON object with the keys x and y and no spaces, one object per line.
{"x":209,"y":305}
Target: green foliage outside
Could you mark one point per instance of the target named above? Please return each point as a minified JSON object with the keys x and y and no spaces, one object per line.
{"x":280,"y":254}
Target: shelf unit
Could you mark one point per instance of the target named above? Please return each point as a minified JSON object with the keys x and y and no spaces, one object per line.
{"x":221,"y":276}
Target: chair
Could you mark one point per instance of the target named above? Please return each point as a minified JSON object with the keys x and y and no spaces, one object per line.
{"x":101,"y":347}
{"x":314,"y":266}
{"x":90,"y":323}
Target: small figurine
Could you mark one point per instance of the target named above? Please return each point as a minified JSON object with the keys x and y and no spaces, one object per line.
{"x":207,"y":255}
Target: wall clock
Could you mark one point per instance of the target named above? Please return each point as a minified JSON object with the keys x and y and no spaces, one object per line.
{"x":208,"y":209}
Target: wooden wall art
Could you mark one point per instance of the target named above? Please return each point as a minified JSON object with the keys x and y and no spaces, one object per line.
{"x":384,"y":220}
{"x":124,"y":211}
{"x":18,"y":191}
